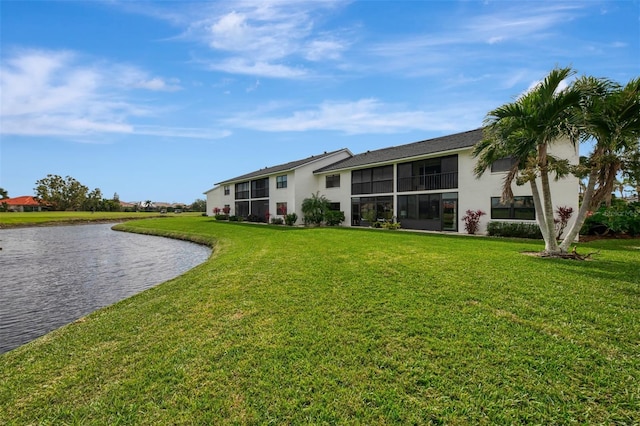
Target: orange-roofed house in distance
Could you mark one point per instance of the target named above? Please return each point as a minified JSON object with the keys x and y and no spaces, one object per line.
{"x":25,"y":203}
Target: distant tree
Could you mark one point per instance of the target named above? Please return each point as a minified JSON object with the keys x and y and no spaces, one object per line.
{"x":3,"y":193}
{"x":199,"y":205}
{"x":61,"y":194}
{"x":148,"y":205}
{"x":116,"y":197}
{"x":93,"y":201}
{"x":110,"y":205}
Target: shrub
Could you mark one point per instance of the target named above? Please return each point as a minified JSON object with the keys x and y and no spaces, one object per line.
{"x":254,"y":218}
{"x":371,"y":216}
{"x":221,"y":217}
{"x":564,"y":214}
{"x":314,"y":209}
{"x":619,"y":218}
{"x":235,"y":219}
{"x":391,"y":225}
{"x":277,"y":221}
{"x":514,"y":230}
{"x":291,"y":219}
{"x":472,"y":220}
{"x":333,"y":218}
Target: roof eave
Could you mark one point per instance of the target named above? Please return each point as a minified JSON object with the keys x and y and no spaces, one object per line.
{"x":395,"y":160}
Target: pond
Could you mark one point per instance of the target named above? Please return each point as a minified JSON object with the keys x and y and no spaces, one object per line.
{"x":51,"y":276}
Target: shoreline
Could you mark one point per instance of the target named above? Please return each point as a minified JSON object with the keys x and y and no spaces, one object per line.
{"x":66,"y":222}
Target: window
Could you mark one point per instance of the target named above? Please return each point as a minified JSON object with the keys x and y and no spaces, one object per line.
{"x":419,"y":207}
{"x":242,"y":191}
{"x":281,"y":181}
{"x":333,"y":181}
{"x":242,"y":208}
{"x":281,"y":209}
{"x":371,"y":208}
{"x":227,"y":190}
{"x":334,"y":207}
{"x":259,"y":210}
{"x":376,"y":180}
{"x":260,"y":188}
{"x":520,"y":208}
{"x":502,"y":165}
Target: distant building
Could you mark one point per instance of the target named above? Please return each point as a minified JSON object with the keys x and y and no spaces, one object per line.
{"x":25,"y":203}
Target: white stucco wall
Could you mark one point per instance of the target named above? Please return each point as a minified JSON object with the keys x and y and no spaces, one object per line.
{"x":474,"y":194}
{"x":301,"y":183}
{"x":340,"y":195}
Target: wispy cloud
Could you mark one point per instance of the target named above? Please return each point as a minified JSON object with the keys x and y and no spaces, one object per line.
{"x":470,"y":39}
{"x":271,"y":39}
{"x":364,"y":116}
{"x":59,"y":93}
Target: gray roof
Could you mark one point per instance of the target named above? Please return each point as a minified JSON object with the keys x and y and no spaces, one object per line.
{"x":267,"y":171}
{"x":416,"y":149}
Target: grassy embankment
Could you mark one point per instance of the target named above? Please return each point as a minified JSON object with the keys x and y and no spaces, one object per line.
{"x":9,"y":220}
{"x":339,"y":326}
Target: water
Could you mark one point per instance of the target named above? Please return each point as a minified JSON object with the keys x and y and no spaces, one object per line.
{"x":51,"y":276}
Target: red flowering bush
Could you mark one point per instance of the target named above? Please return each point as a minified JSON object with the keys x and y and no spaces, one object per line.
{"x":472,"y":220}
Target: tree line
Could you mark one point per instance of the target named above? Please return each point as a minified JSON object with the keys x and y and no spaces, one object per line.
{"x":67,"y":194}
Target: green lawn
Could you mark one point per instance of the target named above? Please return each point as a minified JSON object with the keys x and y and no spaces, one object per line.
{"x":8,"y":220}
{"x":348,"y":326}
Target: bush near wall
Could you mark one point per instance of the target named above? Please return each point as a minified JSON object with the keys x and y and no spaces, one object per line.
{"x":514,"y":230}
{"x":621,"y":218}
{"x":333,"y":218}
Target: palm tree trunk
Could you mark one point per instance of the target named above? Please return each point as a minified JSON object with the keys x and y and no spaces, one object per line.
{"x":550,"y":242}
{"x":537,"y":204}
{"x":551,"y":245}
{"x":582,"y":212}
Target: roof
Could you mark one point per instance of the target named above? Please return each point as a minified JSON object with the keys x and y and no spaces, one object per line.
{"x":415,"y":149}
{"x":283,"y":167}
{"x":25,"y":200}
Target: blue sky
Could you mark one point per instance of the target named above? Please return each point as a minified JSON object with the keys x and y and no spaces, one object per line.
{"x":160,"y":100}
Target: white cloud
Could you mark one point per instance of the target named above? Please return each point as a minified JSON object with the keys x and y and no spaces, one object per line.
{"x":181,"y":132}
{"x":319,"y":50}
{"x":362,"y":117}
{"x":58,"y":93}
{"x":158,"y":84}
{"x":263,"y":69}
{"x":266,"y":39}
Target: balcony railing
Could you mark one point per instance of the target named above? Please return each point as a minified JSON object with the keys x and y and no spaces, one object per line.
{"x":447,"y":180}
{"x":376,"y":187}
{"x":242,"y":195}
{"x":260,"y":193}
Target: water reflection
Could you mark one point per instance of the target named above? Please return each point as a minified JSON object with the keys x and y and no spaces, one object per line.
{"x":51,"y":276}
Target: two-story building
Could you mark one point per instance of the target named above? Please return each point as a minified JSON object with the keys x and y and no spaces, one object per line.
{"x":425,"y":185}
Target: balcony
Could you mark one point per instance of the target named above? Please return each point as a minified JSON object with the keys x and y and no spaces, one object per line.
{"x":429,"y":182}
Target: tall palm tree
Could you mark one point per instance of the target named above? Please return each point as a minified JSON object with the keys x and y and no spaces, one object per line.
{"x":610,"y":116}
{"x":524,"y":130}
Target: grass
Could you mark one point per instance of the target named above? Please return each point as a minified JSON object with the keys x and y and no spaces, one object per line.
{"x":13,"y":219}
{"x":347,"y":326}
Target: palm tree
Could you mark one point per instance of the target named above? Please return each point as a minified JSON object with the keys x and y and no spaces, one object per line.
{"x":610,"y":115}
{"x":524,"y":130}
{"x":314,"y":209}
